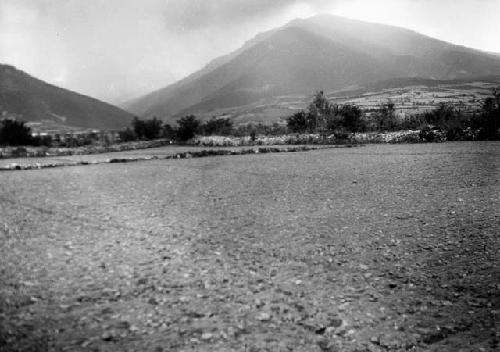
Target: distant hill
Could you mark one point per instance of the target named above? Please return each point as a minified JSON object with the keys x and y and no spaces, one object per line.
{"x":320,"y":53}
{"x":31,"y":99}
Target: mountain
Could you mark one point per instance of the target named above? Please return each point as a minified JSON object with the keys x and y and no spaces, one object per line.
{"x":31,"y":99}
{"x":319,"y":53}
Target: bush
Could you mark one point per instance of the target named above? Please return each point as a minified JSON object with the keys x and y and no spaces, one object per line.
{"x":432,"y":134}
{"x":19,"y":152}
{"x":127,"y":135}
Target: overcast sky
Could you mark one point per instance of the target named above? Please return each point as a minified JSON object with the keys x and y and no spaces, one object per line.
{"x":117,"y":49}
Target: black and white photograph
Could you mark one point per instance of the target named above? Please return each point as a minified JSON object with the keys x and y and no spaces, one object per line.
{"x":249,"y":175}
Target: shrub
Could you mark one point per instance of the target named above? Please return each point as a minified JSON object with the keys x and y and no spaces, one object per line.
{"x":432,"y":134}
{"x":127,"y":135}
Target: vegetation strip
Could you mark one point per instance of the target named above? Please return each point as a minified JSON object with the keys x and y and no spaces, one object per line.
{"x":183,"y":155}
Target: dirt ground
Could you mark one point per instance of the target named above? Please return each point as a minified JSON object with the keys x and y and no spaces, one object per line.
{"x":378,"y":248}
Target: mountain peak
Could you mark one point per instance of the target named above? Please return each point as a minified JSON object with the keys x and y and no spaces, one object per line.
{"x":321,"y":52}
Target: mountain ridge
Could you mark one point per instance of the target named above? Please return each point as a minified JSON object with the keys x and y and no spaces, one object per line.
{"x":345,"y":53}
{"x":31,"y":99}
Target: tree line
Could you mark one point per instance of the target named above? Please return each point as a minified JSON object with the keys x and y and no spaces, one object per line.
{"x":324,"y":117}
{"x":187,"y":127}
{"x":16,"y":133}
{"x":320,"y":117}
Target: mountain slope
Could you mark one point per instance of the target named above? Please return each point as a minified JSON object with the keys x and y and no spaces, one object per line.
{"x":31,"y":99}
{"x":323,"y":52}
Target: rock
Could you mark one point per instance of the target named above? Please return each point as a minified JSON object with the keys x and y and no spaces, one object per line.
{"x":107,"y":336}
{"x":153,"y":301}
{"x":87,"y":342}
{"x":335,"y":322}
{"x":207,"y":336}
{"x":264,"y":316}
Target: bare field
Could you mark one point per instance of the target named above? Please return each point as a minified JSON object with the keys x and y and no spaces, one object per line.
{"x":384,"y":247}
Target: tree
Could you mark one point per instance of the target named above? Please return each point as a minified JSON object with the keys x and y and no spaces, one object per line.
{"x":152,"y":128}
{"x":168,"y":131}
{"x":352,"y":118}
{"x":147,"y":129}
{"x":217,"y":126}
{"x":385,"y":118}
{"x":138,"y":127}
{"x":319,"y":112}
{"x":442,"y":116}
{"x":488,"y":121}
{"x":14,"y":132}
{"x":188,"y":127}
{"x":298,"y":122}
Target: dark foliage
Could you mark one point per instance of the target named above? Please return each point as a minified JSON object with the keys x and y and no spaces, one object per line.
{"x":41,"y":141}
{"x":147,"y":129}
{"x":385,"y":118}
{"x":14,"y":132}
{"x":298,"y":122}
{"x":488,"y":121}
{"x":326,"y":118}
{"x":352,"y":118}
{"x":217,"y":126}
{"x":127,"y":135}
{"x":188,"y":127}
{"x":168,"y":132}
{"x":143,"y":130}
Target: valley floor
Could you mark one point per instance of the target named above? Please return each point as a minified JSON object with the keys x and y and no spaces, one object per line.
{"x":380,"y":248}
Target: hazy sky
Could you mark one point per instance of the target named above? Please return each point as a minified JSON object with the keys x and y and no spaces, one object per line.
{"x":117,"y":49}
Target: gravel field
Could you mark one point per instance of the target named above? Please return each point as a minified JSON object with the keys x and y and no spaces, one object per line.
{"x":379,"y":248}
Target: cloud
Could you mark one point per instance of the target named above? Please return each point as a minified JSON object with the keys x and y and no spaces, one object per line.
{"x":117,"y":49}
{"x":196,"y":14}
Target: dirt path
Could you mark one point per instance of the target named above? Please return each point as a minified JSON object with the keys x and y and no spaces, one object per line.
{"x":383,"y":248}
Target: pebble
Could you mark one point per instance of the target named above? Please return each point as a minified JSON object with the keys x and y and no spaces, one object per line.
{"x":206,"y":336}
{"x":264,"y":316}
